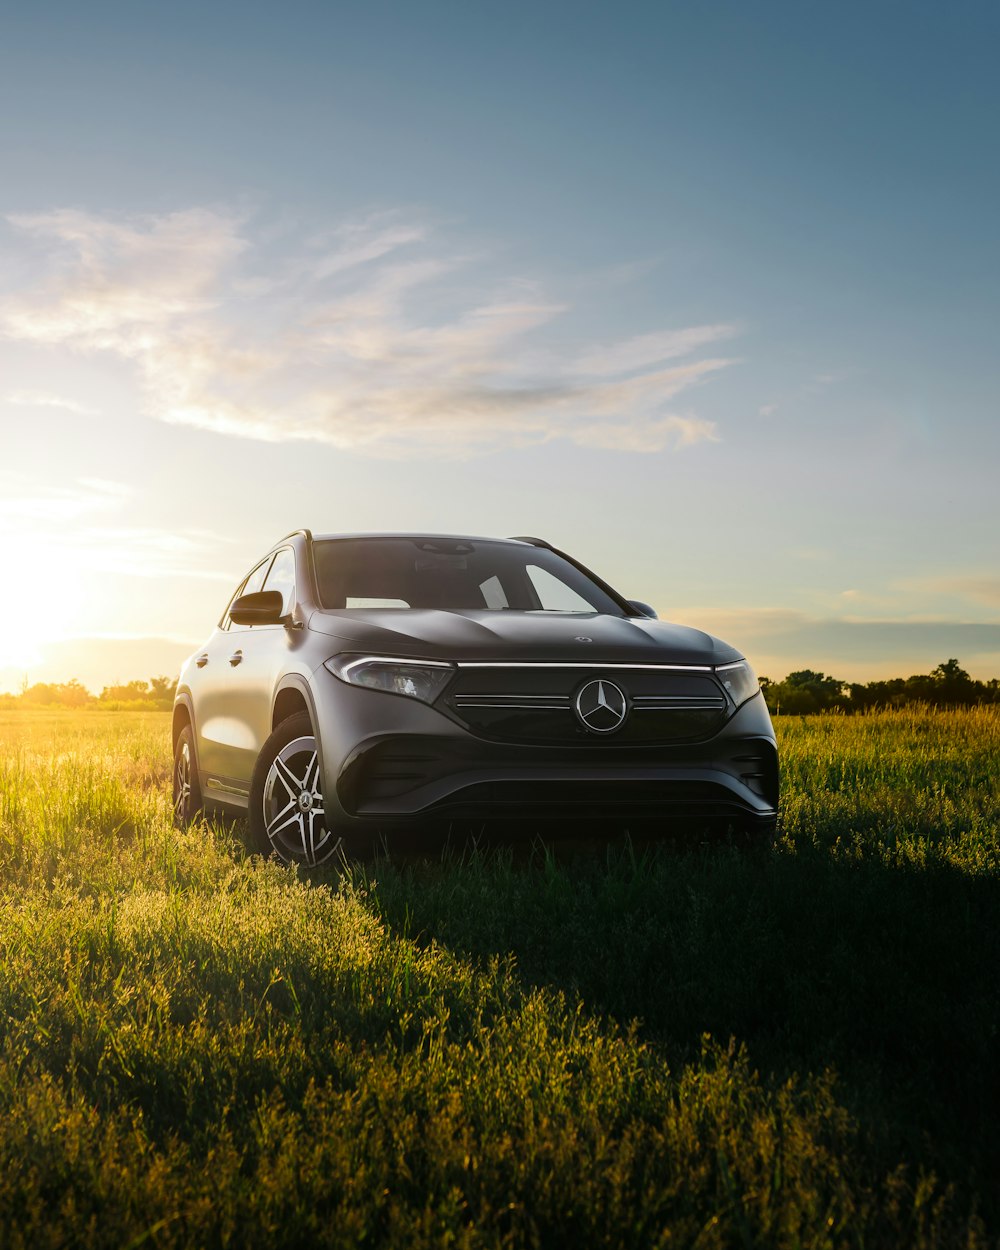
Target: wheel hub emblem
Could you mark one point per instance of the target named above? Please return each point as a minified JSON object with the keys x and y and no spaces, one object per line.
{"x":601,"y":706}
{"x":305,"y":801}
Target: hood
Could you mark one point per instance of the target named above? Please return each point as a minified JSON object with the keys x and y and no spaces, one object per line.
{"x":528,"y":636}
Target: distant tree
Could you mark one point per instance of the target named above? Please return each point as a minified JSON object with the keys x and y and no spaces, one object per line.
{"x":56,"y":694}
{"x":954,"y":685}
{"x":73,"y":694}
{"x":162,"y":689}
{"x":803,"y":692}
{"x":891,"y":693}
{"x":948,"y":685}
{"x":131,"y":692}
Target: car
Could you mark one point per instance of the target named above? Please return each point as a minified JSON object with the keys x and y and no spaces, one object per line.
{"x":359,"y":686}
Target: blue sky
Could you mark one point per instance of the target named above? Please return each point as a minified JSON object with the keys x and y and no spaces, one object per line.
{"x":706,"y":294}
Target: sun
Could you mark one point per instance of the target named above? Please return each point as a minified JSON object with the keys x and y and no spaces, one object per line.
{"x":43,"y":599}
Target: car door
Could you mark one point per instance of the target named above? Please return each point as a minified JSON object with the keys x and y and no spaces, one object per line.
{"x":219,"y":710}
{"x":258,"y":656}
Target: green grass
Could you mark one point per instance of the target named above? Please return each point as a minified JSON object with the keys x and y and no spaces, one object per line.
{"x":677,"y":1045}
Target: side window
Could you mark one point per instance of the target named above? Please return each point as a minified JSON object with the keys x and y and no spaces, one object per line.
{"x":226,"y":622}
{"x":252,"y":584}
{"x":553,"y":594}
{"x":282,"y":577}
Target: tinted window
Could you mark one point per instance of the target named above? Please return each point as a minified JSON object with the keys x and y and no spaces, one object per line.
{"x":554,"y":594}
{"x":282,"y":578}
{"x":452,"y":574}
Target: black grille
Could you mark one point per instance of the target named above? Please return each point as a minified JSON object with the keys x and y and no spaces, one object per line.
{"x":537,"y":704}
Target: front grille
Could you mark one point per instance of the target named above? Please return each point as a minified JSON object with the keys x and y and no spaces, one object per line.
{"x":537,"y":704}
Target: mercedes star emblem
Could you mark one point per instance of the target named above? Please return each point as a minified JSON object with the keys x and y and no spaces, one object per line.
{"x":601,"y":706}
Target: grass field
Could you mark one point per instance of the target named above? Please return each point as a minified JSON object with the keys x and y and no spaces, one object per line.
{"x":680,"y":1046}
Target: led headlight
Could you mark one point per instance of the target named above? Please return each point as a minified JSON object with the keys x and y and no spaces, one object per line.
{"x":739,"y":680}
{"x":418,"y":679}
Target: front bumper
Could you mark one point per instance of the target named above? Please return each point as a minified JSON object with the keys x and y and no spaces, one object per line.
{"x":391,"y":759}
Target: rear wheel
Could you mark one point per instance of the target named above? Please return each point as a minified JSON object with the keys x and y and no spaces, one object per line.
{"x":287,"y":813}
{"x":187,"y":790}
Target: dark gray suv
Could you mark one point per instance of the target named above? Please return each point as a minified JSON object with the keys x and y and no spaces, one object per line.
{"x":359,"y":684}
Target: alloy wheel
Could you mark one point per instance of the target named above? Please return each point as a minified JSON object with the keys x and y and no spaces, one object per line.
{"x":294,"y":819}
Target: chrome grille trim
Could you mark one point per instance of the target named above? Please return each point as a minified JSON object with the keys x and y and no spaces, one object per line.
{"x":593,"y":666}
{"x":530,"y":707}
{"x":464,"y":697}
{"x":685,"y":700}
{"x":664,"y":705}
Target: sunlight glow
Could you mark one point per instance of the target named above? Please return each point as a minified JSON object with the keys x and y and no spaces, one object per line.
{"x":44,"y":598}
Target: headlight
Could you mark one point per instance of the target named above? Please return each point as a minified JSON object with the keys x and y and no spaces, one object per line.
{"x":418,"y":679}
{"x":739,"y":680}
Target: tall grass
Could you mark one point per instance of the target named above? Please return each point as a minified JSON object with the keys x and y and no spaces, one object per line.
{"x":667,"y":1044}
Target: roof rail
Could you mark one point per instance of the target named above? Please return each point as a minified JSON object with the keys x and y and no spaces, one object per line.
{"x":533,"y":542}
{"x":307,"y":533}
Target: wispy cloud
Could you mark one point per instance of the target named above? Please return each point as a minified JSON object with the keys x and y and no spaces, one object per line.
{"x":42,"y":399}
{"x":646,"y":350}
{"x":27,"y":499}
{"x":117,"y":285}
{"x":356,"y":243}
{"x":370,"y":336}
{"x":84,"y":526}
{"x":984,"y":588}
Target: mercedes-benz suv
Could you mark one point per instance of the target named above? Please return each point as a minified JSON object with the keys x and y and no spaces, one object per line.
{"x":360,"y":684}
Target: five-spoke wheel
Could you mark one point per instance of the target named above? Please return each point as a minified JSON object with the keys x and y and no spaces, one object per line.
{"x":287,"y":816}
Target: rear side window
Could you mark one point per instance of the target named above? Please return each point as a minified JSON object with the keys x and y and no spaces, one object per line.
{"x":281,"y":577}
{"x":249,"y":586}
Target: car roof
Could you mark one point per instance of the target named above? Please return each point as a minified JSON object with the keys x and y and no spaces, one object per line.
{"x":468,"y":538}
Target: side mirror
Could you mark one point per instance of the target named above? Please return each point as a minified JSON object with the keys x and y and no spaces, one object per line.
{"x":265,"y":607}
{"x":642,"y":609}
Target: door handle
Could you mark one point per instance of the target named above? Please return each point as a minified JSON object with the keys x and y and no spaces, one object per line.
{"x":236,"y":658}
{"x":202,"y":660}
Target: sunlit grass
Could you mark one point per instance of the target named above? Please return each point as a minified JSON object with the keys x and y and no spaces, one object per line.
{"x":676,"y":1045}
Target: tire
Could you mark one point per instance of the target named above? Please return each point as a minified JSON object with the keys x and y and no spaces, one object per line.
{"x":286,"y":815}
{"x":187,"y":788}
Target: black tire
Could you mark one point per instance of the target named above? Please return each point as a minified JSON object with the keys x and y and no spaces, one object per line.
{"x":186,"y":788}
{"x":286,"y":816}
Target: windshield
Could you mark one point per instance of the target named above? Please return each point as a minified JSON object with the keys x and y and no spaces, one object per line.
{"x":452,"y":573}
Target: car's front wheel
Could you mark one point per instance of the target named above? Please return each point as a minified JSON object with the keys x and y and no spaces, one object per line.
{"x":287,"y":814}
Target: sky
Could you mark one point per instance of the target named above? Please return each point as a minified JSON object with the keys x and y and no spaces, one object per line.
{"x":708,"y":295}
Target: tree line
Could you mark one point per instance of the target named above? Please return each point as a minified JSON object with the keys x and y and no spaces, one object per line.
{"x":153,"y":695}
{"x":948,"y":685}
